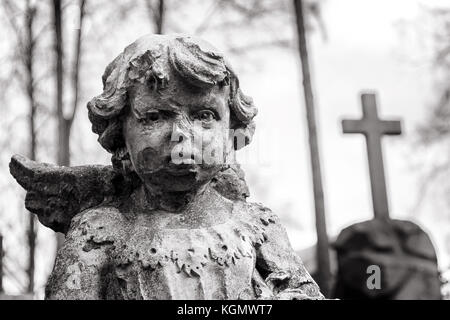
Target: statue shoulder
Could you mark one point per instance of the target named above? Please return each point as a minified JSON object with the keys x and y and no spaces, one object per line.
{"x":257,"y":220}
{"x":56,"y":194}
{"x":99,"y":218}
{"x":257,"y":213}
{"x":79,"y":267}
{"x":97,"y":226}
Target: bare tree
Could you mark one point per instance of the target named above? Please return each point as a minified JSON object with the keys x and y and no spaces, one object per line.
{"x":26,"y":47}
{"x":29,"y":63}
{"x":63,"y":155}
{"x":323,"y":256}
{"x":434,"y":133}
{"x":1,"y":264}
{"x":437,"y":127}
{"x":65,"y":122}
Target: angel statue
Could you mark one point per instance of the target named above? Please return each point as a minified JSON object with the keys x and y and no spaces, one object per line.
{"x":169,"y":219}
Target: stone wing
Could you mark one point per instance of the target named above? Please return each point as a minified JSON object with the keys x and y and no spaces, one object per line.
{"x":57,"y":193}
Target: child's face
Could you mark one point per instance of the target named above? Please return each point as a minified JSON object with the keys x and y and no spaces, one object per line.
{"x":178,"y":139}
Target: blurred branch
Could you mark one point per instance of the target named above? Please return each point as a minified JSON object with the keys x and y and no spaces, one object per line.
{"x":259,"y":45}
{"x":13,"y":276}
{"x":254,"y":9}
{"x":437,"y":126}
{"x":435,"y":131}
{"x":11,"y":12}
{"x":208,"y":17}
{"x":426,"y":182}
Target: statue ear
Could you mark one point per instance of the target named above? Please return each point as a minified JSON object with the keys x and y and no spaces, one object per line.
{"x":242,"y":113}
{"x":121,"y":160}
{"x":242,"y":136}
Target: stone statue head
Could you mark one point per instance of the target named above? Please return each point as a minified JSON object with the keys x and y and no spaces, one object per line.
{"x":172,"y":112}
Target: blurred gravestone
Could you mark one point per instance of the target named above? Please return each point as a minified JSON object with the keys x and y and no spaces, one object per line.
{"x":383,"y":258}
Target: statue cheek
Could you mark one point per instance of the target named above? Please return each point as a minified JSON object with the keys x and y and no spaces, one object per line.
{"x":214,"y":138}
{"x":139,"y":138}
{"x":148,"y":160}
{"x":214,"y":148}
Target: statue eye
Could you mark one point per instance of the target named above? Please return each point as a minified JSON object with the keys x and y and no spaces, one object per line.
{"x":206,"y":115}
{"x":153,"y":116}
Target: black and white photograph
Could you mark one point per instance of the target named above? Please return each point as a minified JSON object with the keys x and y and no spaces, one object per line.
{"x":232,"y":150}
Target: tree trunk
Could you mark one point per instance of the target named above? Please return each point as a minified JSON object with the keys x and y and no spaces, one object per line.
{"x":63,"y":132}
{"x":77,"y":65}
{"x":157,"y":14}
{"x":29,"y":65}
{"x":63,"y":157}
{"x":323,"y":258}
{"x":160,"y":17}
{"x":65,"y":123}
{"x":1,"y":264}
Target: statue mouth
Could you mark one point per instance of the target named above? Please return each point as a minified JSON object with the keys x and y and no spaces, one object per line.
{"x":181,"y":169}
{"x":189,"y":167}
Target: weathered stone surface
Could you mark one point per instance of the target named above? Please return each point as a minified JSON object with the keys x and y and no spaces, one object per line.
{"x":165,"y":222}
{"x":56,"y":194}
{"x":401,"y":249}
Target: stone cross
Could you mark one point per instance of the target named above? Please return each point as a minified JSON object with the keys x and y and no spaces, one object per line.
{"x":402,"y":252}
{"x":373,"y":129}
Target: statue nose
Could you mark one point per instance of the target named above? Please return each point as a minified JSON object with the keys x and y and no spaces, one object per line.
{"x":185,"y":149}
{"x":181,"y":131}
{"x":186,"y":155}
{"x":182,"y":136}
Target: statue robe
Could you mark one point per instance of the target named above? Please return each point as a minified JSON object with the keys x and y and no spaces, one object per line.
{"x":113,"y":254}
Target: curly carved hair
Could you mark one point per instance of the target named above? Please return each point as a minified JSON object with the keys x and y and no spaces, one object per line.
{"x":150,"y":60}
